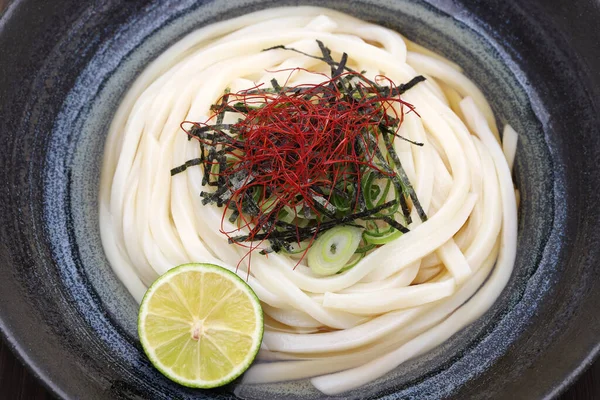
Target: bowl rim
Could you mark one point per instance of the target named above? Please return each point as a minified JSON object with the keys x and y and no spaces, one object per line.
{"x":33,"y":362}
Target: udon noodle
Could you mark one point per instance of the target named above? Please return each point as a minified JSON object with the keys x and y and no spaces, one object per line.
{"x":398,"y":302}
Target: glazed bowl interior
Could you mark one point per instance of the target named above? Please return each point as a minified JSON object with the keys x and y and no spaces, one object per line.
{"x":65,"y":69}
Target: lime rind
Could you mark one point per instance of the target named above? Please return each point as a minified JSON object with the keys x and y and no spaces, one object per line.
{"x":257,"y":335}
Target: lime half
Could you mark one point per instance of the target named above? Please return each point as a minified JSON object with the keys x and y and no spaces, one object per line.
{"x":200,"y":325}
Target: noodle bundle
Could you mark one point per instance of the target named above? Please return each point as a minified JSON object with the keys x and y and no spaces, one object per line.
{"x":400,"y":300}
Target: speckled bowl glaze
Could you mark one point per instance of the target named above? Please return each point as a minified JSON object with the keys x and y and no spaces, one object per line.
{"x":64,"y":65}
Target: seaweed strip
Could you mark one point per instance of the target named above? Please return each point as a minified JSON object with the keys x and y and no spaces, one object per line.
{"x":186,"y":165}
{"x":395,"y":224}
{"x":403,"y":177}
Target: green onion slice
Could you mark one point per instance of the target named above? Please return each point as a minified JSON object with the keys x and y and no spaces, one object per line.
{"x":379,"y":238}
{"x":332,"y":250}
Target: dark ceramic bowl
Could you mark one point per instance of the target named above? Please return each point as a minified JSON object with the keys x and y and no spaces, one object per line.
{"x":64,"y":65}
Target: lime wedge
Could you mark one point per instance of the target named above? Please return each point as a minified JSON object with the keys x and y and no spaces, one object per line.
{"x":200,"y":325}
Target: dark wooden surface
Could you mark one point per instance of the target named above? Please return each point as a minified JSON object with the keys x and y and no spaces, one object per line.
{"x":16,"y":383}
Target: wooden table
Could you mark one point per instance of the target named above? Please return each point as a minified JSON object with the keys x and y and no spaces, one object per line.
{"x":16,"y":383}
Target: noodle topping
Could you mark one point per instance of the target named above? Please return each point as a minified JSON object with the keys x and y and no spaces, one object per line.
{"x":304,"y":159}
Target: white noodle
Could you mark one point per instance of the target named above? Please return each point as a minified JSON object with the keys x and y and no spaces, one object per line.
{"x":399,"y":301}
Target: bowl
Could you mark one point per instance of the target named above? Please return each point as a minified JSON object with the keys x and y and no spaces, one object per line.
{"x":65,"y":66}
